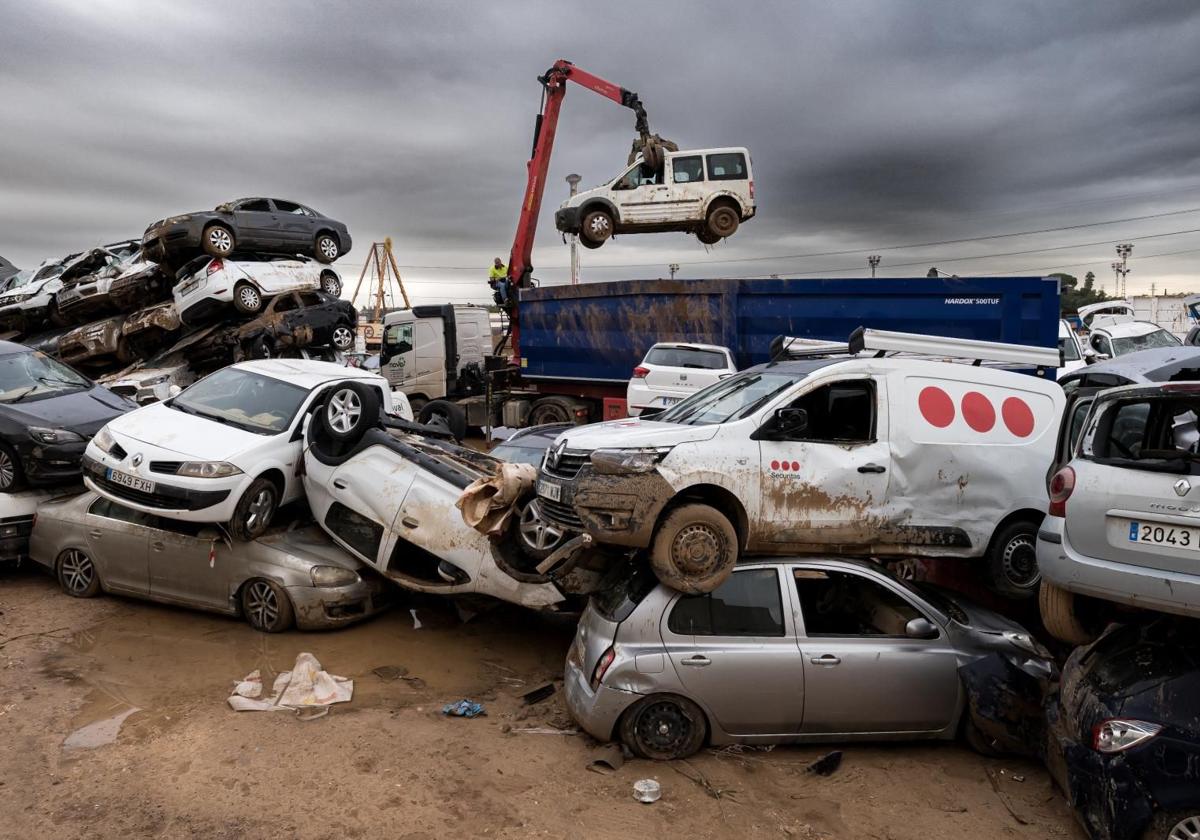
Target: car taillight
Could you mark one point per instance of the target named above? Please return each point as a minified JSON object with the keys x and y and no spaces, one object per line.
{"x":1119,"y":734}
{"x":606,"y":659}
{"x":214,"y":267}
{"x":1061,"y":487}
{"x":640,"y":372}
{"x":752,"y":189}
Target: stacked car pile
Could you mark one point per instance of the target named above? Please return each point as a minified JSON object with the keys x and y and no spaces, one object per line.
{"x":250,"y":279}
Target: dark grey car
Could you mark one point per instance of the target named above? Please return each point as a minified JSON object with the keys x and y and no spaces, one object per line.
{"x":263,"y":224}
{"x":790,"y":650}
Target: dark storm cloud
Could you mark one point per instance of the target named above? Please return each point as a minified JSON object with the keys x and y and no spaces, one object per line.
{"x":871,"y":124}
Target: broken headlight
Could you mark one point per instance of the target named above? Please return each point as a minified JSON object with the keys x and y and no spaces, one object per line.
{"x":333,"y":576}
{"x":1119,"y":734}
{"x":104,"y":440}
{"x":207,"y":469}
{"x":19,"y":298}
{"x":628,"y":461}
{"x":54,"y":436}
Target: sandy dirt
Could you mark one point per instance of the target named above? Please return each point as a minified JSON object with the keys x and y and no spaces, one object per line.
{"x":114,"y":723}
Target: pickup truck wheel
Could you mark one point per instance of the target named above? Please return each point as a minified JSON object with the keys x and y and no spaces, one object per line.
{"x":326,"y":248}
{"x":663,"y":727}
{"x":247,"y":299}
{"x":218,"y":241}
{"x":722,"y":221}
{"x":331,"y":284}
{"x":266,"y":606}
{"x":1064,"y":615}
{"x":445,"y":415}
{"x":1012,"y":568}
{"x":350,"y":409}
{"x":694,"y":549}
{"x":343,"y":337}
{"x":12,"y":477}
{"x":597,"y":227}
{"x":255,"y":509}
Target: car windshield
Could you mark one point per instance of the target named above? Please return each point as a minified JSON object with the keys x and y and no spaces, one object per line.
{"x":250,"y":401}
{"x":731,"y":399}
{"x":516,"y":454}
{"x":1158,"y":338}
{"x":26,"y":376}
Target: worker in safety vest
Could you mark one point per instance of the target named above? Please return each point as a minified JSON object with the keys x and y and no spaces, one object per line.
{"x":498,"y":280}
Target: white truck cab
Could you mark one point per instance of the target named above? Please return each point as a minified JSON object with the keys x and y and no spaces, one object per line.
{"x":708,"y":192}
{"x":427,"y":351}
{"x":869,"y":453}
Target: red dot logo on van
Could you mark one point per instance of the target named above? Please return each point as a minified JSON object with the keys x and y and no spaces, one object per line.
{"x":936,"y":407}
{"x":1018,"y":416}
{"x":795,"y":466}
{"x":978,"y":411}
{"x":774,"y":465}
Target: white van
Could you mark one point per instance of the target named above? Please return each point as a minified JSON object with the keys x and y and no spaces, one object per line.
{"x":869,"y":453}
{"x":708,"y":192}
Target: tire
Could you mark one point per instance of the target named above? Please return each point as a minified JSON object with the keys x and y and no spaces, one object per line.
{"x":536,"y":537}
{"x":343,"y":337}
{"x":1173,"y":825}
{"x":126,"y":353}
{"x":694,"y":549}
{"x":265,"y":606}
{"x":450,"y":416}
{"x":260,"y":348}
{"x":247,"y":299}
{"x":663,"y":727}
{"x":416,"y":404}
{"x":255,"y":509}
{"x":331,"y":284}
{"x":707,"y":237}
{"x":596,"y":227}
{"x":218,"y":241}
{"x":589,"y":244}
{"x":77,"y":574}
{"x":722,"y":221}
{"x":1011,"y":563}
{"x":551,"y":410}
{"x":350,"y":409}
{"x":1061,"y":615}
{"x":12,"y":474}
{"x":326,"y":248}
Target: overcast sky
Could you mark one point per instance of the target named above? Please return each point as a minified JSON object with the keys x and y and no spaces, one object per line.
{"x":872,"y":125}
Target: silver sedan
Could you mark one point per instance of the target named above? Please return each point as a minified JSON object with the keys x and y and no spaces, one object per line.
{"x":285,"y":577}
{"x":801,"y":651}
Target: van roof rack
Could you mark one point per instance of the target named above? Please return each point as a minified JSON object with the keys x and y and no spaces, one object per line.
{"x":882,"y":342}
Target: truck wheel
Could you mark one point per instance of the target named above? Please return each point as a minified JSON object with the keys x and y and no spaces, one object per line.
{"x":218,"y":241}
{"x":551,"y":410}
{"x":1061,"y":616}
{"x":247,"y":299}
{"x":1011,"y":567}
{"x":443,"y":414}
{"x":722,"y":221}
{"x":326,"y":248}
{"x":694,"y":549}
{"x":350,"y":409}
{"x":597,"y":227}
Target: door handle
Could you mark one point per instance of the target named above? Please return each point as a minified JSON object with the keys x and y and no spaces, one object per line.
{"x":409,"y":522}
{"x":95,"y":534}
{"x":157,"y":546}
{"x":871,"y":468}
{"x":339,"y":484}
{"x":696,"y":661}
{"x":827,"y":659}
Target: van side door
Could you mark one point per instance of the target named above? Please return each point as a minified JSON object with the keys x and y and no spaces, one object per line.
{"x":642,"y":196}
{"x":824,"y":481}
{"x":689,"y":188}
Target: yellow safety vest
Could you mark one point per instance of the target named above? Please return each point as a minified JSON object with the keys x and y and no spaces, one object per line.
{"x":500,"y":273}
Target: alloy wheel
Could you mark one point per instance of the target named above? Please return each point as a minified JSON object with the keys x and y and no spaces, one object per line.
{"x":344,"y":410}
{"x":536,"y":531}
{"x":220,"y":240}
{"x":1186,"y":829}
{"x":8,"y":471}
{"x":250,"y":297}
{"x":262,"y":607}
{"x":78,"y":571}
{"x":328,"y":247}
{"x":259,"y":510}
{"x":343,"y":338}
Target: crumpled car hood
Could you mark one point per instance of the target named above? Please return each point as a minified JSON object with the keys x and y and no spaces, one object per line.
{"x":634,"y":432}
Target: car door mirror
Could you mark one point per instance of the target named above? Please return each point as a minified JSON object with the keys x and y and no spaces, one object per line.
{"x":785,"y":423}
{"x":920,"y":628}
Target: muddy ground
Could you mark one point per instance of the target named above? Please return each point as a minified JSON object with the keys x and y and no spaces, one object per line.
{"x":113,"y":723}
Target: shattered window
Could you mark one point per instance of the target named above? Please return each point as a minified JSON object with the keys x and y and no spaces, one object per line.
{"x":688,"y":169}
{"x":1155,"y":433}
{"x":727,"y":166}
{"x":843,"y":604}
{"x":1133,"y":343}
{"x":748,"y":604}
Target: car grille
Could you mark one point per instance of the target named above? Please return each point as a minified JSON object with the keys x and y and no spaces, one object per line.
{"x":167,"y":467}
{"x":569,"y":463}
{"x":559,"y":514}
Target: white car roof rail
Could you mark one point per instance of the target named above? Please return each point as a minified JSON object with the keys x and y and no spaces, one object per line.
{"x":885,"y":341}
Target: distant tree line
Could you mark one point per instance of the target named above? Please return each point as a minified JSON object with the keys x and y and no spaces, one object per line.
{"x":1074,"y":295}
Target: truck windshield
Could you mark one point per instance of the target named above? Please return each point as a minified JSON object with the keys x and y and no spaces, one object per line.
{"x":732,"y":399}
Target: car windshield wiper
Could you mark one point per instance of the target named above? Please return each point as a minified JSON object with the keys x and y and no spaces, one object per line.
{"x":52,"y":379}
{"x":24,"y":394}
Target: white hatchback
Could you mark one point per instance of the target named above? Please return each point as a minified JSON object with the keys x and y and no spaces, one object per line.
{"x":672,"y":371}
{"x":207,"y":285}
{"x":228,"y":449}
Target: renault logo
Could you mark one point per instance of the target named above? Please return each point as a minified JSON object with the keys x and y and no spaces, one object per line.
{"x":1182,"y":486}
{"x":136,"y":460}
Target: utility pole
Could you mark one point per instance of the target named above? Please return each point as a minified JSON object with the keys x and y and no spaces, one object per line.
{"x":673,"y":267}
{"x":573,"y":181}
{"x":874,"y":261}
{"x":1124,"y":251}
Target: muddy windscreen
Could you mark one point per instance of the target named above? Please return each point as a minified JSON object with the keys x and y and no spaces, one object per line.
{"x":1156,"y":433}
{"x":731,"y":399}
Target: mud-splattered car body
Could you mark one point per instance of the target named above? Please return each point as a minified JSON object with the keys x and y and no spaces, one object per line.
{"x":151,"y":381}
{"x":122,"y":338}
{"x":121,"y":287}
{"x":1124,"y":731}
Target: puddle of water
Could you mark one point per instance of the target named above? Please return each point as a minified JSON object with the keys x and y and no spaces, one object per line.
{"x":98,"y":733}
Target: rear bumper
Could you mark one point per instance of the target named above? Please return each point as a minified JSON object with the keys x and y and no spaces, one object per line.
{"x":597,"y":712}
{"x":1122,"y":583}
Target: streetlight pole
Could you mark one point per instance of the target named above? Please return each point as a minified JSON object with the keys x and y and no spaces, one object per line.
{"x":1124,"y":251}
{"x":573,"y":181}
{"x":673,"y":267}
{"x":874,"y":261}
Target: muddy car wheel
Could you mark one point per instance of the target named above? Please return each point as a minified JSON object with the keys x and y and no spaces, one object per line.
{"x":707,"y":237}
{"x":247,"y":299}
{"x":77,"y":574}
{"x":331,"y":284}
{"x":722,"y":221}
{"x":218,"y":241}
{"x":1012,"y":568}
{"x":255,"y":509}
{"x":589,"y":244}
{"x":537,"y":537}
{"x":265,"y":606}
{"x":1064,"y":615}
{"x":350,"y":409}
{"x":12,"y":476}
{"x":664,"y":727}
{"x":597,"y":226}
{"x":1173,"y":825}
{"x":445,"y":415}
{"x":343,"y":337}
{"x":694,"y":549}
{"x":326,"y":248}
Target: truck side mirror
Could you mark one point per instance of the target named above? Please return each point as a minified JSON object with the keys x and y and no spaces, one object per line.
{"x":920,"y":628}
{"x":784,"y":424}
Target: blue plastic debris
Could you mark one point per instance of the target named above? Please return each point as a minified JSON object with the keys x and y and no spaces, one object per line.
{"x":464,"y":708}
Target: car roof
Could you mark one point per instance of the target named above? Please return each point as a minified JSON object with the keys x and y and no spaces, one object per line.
{"x":709,"y":151}
{"x":1141,"y":389}
{"x":1158,"y":364}
{"x":835,"y":562}
{"x":306,"y":373}
{"x":7,"y":347}
{"x":804,"y":366}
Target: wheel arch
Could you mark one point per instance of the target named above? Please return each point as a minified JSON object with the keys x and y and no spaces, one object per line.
{"x":331,"y":232}
{"x":1031,"y":515}
{"x":716,"y":497}
{"x":276,"y":476}
{"x":225,"y":223}
{"x":725,"y":198}
{"x":599,"y":203}
{"x":712,"y":734}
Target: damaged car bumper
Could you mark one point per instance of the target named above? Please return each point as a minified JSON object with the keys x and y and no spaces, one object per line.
{"x":321,"y":608}
{"x":598,"y":711}
{"x":614,"y":509}
{"x":51,"y":463}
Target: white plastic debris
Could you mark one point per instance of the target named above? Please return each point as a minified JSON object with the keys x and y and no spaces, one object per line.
{"x":646,"y":790}
{"x":487,"y":503}
{"x":306,"y":686}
